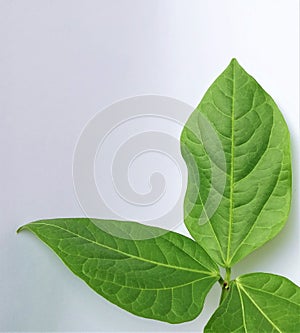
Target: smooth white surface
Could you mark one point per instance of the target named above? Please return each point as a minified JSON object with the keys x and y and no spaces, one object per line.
{"x":63,"y":61}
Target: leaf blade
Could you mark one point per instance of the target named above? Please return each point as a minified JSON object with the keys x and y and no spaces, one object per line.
{"x":258,"y":302}
{"x":236,"y":147}
{"x":155,"y":278}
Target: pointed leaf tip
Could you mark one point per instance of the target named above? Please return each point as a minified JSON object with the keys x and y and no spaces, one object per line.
{"x":19,"y":229}
{"x":234,"y":62}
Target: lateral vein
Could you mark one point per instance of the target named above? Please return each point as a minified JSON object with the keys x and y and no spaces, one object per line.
{"x":260,"y":310}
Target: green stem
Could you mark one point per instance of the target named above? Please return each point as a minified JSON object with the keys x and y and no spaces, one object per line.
{"x":228,"y":273}
{"x":221,"y":281}
{"x":225,"y":284}
{"x":223,"y":295}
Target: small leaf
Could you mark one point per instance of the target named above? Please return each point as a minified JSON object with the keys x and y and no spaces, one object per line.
{"x":258,"y":302}
{"x":237,"y":150}
{"x":165,"y":276}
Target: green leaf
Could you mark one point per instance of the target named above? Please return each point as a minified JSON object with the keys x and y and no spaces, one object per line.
{"x":258,"y":302}
{"x":148,"y":271}
{"x":237,"y":149}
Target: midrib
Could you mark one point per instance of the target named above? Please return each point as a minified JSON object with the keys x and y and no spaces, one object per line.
{"x":227,"y":263}
{"x":128,"y":254}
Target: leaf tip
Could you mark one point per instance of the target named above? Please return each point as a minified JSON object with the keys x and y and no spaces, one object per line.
{"x":234,"y":61}
{"x":20,"y":229}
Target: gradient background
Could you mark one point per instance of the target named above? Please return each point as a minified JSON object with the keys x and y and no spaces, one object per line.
{"x":63,"y":61}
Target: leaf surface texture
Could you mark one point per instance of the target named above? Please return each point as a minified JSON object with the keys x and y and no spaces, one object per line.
{"x":237,"y":150}
{"x":258,"y":302}
{"x":148,"y":271}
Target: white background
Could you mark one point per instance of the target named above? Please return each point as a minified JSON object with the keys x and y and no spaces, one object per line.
{"x":61,"y":62}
